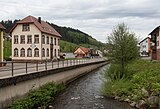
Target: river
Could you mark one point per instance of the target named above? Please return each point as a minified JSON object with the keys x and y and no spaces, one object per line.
{"x":84,"y":93}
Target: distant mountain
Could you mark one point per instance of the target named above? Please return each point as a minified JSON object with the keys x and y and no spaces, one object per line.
{"x":73,"y":36}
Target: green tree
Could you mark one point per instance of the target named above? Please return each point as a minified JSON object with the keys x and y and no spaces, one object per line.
{"x":124,"y":49}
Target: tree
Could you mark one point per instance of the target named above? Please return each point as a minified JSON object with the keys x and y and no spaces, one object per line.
{"x":124,"y":48}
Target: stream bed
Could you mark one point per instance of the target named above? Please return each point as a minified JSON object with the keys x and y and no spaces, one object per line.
{"x":84,"y":93}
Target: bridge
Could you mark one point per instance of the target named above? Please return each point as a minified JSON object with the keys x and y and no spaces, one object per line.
{"x":16,"y":79}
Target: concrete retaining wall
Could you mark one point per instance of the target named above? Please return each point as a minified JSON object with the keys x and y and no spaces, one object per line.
{"x":12,"y":88}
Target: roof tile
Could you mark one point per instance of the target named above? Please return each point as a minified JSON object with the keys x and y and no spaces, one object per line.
{"x":43,"y":26}
{"x":2,"y":27}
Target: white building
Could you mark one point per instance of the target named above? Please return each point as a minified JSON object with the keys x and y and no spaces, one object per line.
{"x":2,"y":28}
{"x":34,"y":40}
{"x":100,"y":53}
{"x":145,"y":47}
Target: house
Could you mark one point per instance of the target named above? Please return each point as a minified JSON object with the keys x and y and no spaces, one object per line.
{"x":2,"y":28}
{"x":34,"y":40}
{"x":82,"y":52}
{"x":100,"y":53}
{"x":155,"y":47}
{"x":144,"y":46}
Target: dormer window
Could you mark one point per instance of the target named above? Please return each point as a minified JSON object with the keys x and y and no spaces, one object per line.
{"x":25,"y":27}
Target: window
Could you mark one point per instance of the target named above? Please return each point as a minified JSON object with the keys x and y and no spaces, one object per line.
{"x":29,"y":52}
{"x":43,"y":39}
{"x":36,"y":39}
{"x":15,"y":39}
{"x":15,"y":52}
{"x":43,"y":52}
{"x":58,"y":52}
{"x":25,"y":27}
{"x":51,"y":40}
{"x":157,"y":43}
{"x":29,"y":39}
{"x":36,"y":52}
{"x":58,"y":41}
{"x":47,"y":40}
{"x":22,"y":39}
{"x":55,"y":52}
{"x":22,"y":52}
{"x":55,"y":41}
{"x":47,"y":52}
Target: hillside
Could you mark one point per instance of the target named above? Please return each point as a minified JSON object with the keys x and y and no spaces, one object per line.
{"x":71,"y":38}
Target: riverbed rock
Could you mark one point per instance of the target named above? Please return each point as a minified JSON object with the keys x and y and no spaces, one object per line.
{"x":50,"y":107}
{"x":141,"y":104}
{"x":153,"y":101}
{"x":133,"y":104}
{"x":75,"y":98}
{"x":144,"y":92}
{"x":116,"y":97}
{"x":127,"y":100}
{"x":99,"y":97}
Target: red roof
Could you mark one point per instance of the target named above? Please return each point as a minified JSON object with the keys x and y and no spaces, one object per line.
{"x":2,"y":27}
{"x":85,"y":50}
{"x":43,"y":26}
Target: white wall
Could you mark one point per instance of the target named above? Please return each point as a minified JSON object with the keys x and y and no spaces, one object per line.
{"x":1,"y":46}
{"x":33,"y":31}
{"x":144,"y":46}
{"x":45,"y":46}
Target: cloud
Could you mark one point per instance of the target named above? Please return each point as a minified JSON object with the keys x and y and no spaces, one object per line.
{"x":96,"y":18}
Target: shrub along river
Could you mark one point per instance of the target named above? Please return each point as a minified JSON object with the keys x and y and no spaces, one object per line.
{"x":84,"y":93}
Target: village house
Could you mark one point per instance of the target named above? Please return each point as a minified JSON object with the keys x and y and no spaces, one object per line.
{"x":99,"y":53}
{"x":34,"y":40}
{"x":82,"y":52}
{"x":145,"y":47}
{"x":2,"y":28}
{"x":155,"y":47}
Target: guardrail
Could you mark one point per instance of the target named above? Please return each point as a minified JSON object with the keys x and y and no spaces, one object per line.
{"x":20,"y":68}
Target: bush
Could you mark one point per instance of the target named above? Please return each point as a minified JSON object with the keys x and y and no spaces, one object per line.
{"x":123,"y":49}
{"x":144,"y":75}
{"x":38,"y":97}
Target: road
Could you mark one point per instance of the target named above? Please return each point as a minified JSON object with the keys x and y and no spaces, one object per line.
{"x":16,"y":69}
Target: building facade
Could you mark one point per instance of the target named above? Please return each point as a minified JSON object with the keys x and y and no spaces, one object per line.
{"x":145,"y":47}
{"x":34,"y":40}
{"x":82,"y":52}
{"x":2,"y":28}
{"x":155,"y":47}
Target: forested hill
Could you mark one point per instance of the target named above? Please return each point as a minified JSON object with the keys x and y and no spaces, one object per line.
{"x":76,"y":36}
{"x":71,"y":35}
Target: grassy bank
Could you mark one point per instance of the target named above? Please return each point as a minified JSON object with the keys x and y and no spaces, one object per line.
{"x":7,"y":49}
{"x":39,"y":97}
{"x":141,"y":87}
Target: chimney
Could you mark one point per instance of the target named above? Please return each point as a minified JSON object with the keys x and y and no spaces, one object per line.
{"x":39,"y":19}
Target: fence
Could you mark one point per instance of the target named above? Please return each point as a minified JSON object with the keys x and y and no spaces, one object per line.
{"x":16,"y":68}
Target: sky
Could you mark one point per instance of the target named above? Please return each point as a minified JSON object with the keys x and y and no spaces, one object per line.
{"x":94,"y":17}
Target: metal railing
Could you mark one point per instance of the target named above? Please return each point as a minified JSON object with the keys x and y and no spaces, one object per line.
{"x":16,"y":68}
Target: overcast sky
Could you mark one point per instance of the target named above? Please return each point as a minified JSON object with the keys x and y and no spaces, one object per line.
{"x":95,"y":17}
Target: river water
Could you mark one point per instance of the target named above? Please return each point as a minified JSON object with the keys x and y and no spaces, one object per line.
{"x":85,"y":93}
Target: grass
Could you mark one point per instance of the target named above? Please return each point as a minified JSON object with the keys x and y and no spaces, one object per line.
{"x":39,"y":97}
{"x":143,"y":75}
{"x":7,"y":49}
